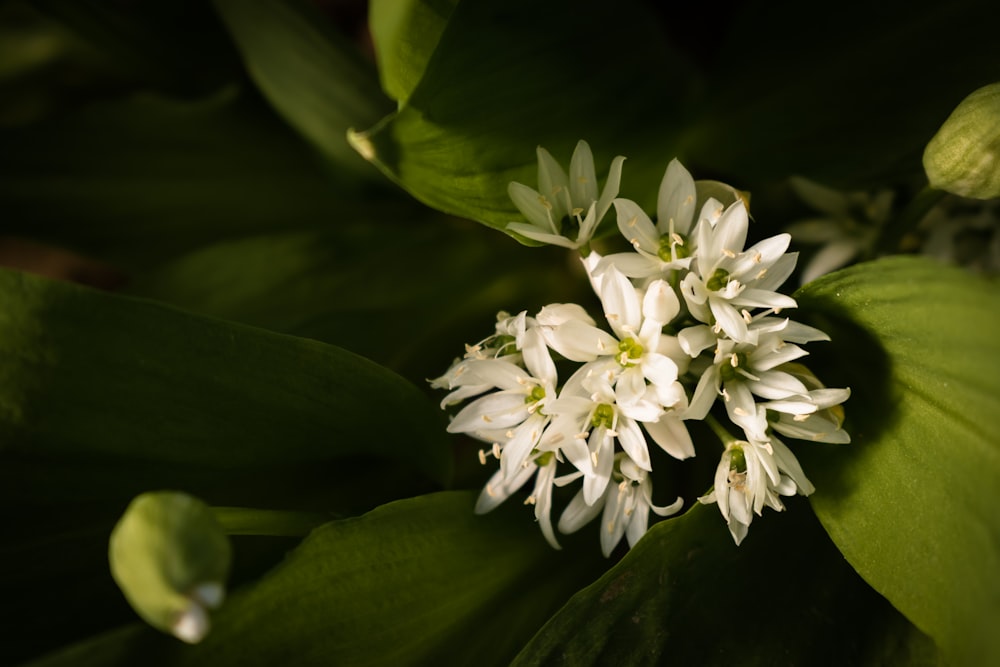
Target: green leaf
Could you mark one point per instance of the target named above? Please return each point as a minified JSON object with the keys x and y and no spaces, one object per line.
{"x":686,"y":595}
{"x":134,"y":182}
{"x":405,"y":33}
{"x":366,"y":287}
{"x":472,"y":123}
{"x":419,"y":581}
{"x":90,"y":373}
{"x":312,"y":75}
{"x":912,"y":501}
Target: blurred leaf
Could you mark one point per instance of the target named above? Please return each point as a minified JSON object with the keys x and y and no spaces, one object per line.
{"x":850,"y":100}
{"x":912,"y":501}
{"x":419,"y":581}
{"x":687,"y":595}
{"x":406,"y":295}
{"x":135,"y":182}
{"x":312,"y":75}
{"x":89,"y":373}
{"x":406,"y":33}
{"x":473,"y":121}
{"x":170,"y":558}
{"x":103,"y":397}
{"x":174,"y":46}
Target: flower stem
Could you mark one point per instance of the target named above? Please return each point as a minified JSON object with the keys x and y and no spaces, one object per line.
{"x":272,"y":523}
{"x":725,"y":436}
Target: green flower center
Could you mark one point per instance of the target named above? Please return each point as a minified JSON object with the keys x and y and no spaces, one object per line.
{"x":544,"y":459}
{"x":630,"y":350}
{"x":676,"y":243}
{"x":537,"y":394}
{"x":604,"y":415}
{"x":504,"y":345}
{"x":728,"y":369}
{"x":718,"y":280}
{"x":739,"y":460}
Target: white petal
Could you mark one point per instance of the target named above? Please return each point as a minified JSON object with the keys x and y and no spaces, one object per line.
{"x":636,"y":226}
{"x":582,"y":177}
{"x":552,"y":183}
{"x":672,"y":436}
{"x":660,"y":302}
{"x":532,"y":204}
{"x":611,"y":187}
{"x":658,"y":369}
{"x":496,"y":490}
{"x":704,"y":394}
{"x":622,"y":307}
{"x":676,"y":199}
{"x":534,"y":233}
{"x":776,"y":385}
{"x":729,"y":319}
{"x":693,"y":340}
{"x":578,"y":514}
{"x":543,"y":502}
{"x":579,"y":342}
{"x":634,"y":443}
{"x":496,"y":411}
{"x":536,"y":356}
{"x":516,"y":450}
{"x":555,"y":314}
{"x":776,"y":276}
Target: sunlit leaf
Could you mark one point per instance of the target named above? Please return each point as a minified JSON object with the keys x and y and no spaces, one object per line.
{"x":405,"y":33}
{"x":420,"y":581}
{"x":310,"y":72}
{"x":911,"y":502}
{"x":686,"y":595}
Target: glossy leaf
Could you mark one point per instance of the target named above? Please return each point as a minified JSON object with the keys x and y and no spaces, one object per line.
{"x":686,"y":595}
{"x":309,"y":72}
{"x":406,"y":33}
{"x":367,"y":287}
{"x":911,"y":502}
{"x":178,"y":388}
{"x":419,"y":581}
{"x":472,"y":123}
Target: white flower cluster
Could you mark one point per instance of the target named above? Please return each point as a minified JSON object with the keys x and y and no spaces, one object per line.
{"x":692,"y":321}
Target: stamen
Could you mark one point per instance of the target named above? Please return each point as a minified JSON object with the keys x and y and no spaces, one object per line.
{"x":746,"y":316}
{"x":482,"y":457}
{"x":530,"y":500}
{"x":496,"y":450}
{"x":728,"y":253}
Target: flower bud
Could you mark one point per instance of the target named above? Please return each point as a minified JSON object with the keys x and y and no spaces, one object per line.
{"x":170,"y":558}
{"x":963,"y":158}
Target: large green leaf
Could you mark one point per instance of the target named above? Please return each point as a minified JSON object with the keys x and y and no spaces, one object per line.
{"x":309,"y":71}
{"x":367,"y":287}
{"x":134,"y":182}
{"x":771,"y":98}
{"x":686,"y":595}
{"x":87,"y":372}
{"x":405,"y":33}
{"x":419,"y":581}
{"x":472,"y":123}
{"x":912,"y":501}
{"x":104,"y":397}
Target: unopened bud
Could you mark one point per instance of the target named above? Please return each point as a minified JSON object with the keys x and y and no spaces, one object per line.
{"x":963,"y":158}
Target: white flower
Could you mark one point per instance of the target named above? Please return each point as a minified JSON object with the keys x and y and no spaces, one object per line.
{"x":625,"y":506}
{"x":726,"y":280}
{"x":740,"y":371}
{"x":750,"y":475}
{"x":499,"y":488}
{"x":562,"y":202}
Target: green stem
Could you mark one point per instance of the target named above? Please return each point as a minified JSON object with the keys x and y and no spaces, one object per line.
{"x":725,"y":436}
{"x":272,"y":523}
{"x":907,"y":220}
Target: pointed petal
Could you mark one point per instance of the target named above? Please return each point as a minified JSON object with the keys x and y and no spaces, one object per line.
{"x":578,"y":514}
{"x":672,"y":436}
{"x":636,"y":226}
{"x":660,"y":302}
{"x":622,"y":307}
{"x":676,"y":199}
{"x":634,"y":443}
{"x":611,"y":187}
